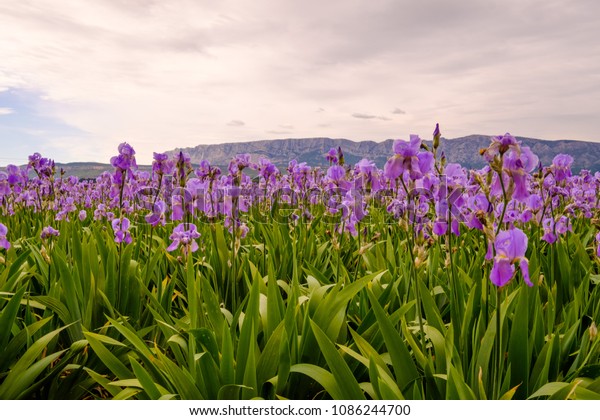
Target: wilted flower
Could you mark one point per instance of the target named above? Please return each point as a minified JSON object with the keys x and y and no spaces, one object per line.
{"x":510,"y":246}
{"x":184,"y":236}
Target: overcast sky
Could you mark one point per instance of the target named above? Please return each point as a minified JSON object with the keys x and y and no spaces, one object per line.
{"x":77,"y":78}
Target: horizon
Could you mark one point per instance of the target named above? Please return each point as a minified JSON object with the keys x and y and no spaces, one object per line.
{"x":149,"y":163}
{"x":78,"y":79}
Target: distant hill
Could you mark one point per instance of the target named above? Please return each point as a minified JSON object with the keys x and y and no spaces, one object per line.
{"x":89,"y":170}
{"x":463,"y":150}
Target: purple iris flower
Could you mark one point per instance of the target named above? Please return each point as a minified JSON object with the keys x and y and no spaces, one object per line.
{"x":365,"y":166}
{"x":267,"y":169}
{"x":597,"y":240}
{"x":239,"y":163}
{"x":440,"y":227}
{"x":48,"y":232}
{"x":206,"y":171}
{"x":336,"y":172}
{"x":500,"y":145}
{"x":4,"y":244}
{"x":4,"y":186}
{"x":519,"y":164}
{"x":552,"y":229}
{"x":563,"y":224}
{"x":14,"y":175}
{"x":125,"y":161}
{"x":162,"y":165}
{"x":366,"y":175}
{"x":34,"y":160}
{"x":561,"y":166}
{"x":158,"y":214}
{"x":332,"y":156}
{"x":235,"y":227}
{"x":409,"y":160}
{"x":535,"y":202}
{"x":548,"y":225}
{"x":510,"y":246}
{"x":479,"y":206}
{"x":184,"y":236}
{"x":121,"y":230}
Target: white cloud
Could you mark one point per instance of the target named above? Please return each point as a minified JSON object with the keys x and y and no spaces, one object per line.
{"x":278,"y":132}
{"x":167,"y":74}
{"x":6,"y":111}
{"x":364,"y":116}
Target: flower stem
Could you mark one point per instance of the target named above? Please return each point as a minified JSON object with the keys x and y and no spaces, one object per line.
{"x":505,"y":200}
{"x":498,"y":381}
{"x":456,"y":305}
{"x":411,"y":241}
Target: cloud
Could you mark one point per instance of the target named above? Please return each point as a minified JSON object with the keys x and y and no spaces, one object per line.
{"x":398,"y":111}
{"x":6,"y":111}
{"x":286,"y":126}
{"x":155,"y":73}
{"x":278,"y":132}
{"x":236,"y":123}
{"x":362,"y":116}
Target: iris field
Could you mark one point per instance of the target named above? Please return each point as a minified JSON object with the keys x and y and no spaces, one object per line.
{"x":421,"y":280}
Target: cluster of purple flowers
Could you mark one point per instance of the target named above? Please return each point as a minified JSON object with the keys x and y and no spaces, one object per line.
{"x":416,"y":188}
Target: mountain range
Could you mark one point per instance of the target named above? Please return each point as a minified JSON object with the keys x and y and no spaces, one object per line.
{"x":463,"y":150}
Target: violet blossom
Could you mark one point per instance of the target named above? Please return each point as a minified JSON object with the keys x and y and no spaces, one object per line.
{"x":49,"y":232}
{"x":121,"y":230}
{"x":184,"y":236}
{"x":510,"y":246}
{"x":4,"y":244}
{"x":408,"y":160}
